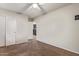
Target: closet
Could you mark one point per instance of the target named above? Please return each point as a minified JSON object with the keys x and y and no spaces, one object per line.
{"x":7,"y":30}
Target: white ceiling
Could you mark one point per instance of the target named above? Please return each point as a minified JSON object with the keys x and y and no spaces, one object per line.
{"x":27,"y":8}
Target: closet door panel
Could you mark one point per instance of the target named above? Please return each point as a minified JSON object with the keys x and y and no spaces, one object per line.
{"x":10,"y":30}
{"x":2,"y":31}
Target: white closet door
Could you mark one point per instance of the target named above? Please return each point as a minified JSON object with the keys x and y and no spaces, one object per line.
{"x":10,"y":30}
{"x":2,"y":31}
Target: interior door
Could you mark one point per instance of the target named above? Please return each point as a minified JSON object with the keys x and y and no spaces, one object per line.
{"x":10,"y":30}
{"x":2,"y":31}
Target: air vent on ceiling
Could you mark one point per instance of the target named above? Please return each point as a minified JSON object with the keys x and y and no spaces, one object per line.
{"x":30,"y":19}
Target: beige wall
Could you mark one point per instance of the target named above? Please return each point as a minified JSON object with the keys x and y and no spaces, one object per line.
{"x":59,"y":28}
